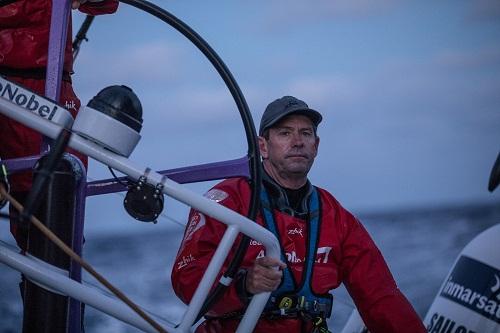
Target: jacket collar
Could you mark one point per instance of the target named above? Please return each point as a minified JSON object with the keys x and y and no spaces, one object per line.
{"x":279,"y":198}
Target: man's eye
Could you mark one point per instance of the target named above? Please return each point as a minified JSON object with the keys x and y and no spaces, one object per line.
{"x":284,"y":133}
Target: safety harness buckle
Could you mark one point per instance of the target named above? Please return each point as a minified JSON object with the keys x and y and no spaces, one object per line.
{"x":287,"y":302}
{"x":320,"y":325}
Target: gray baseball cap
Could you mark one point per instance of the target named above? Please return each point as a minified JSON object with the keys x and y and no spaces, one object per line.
{"x":283,"y":107}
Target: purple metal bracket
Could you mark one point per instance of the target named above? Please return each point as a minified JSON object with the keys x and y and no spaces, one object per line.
{"x":190,"y":174}
{"x":55,"y":63}
{"x":75,"y":271}
{"x":57,"y":43}
{"x":55,"y":58}
{"x":15,"y":165}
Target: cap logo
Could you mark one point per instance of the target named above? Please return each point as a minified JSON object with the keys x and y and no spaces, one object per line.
{"x":291,"y":103}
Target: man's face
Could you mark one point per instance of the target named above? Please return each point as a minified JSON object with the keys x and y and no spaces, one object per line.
{"x":291,"y":147}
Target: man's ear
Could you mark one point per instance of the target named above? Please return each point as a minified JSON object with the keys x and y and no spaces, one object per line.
{"x":263,"y":147}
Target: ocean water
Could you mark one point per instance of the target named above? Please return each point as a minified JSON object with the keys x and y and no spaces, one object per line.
{"x":420,"y":247}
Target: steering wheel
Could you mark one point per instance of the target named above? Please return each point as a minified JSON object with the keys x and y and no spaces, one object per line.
{"x":253,"y":155}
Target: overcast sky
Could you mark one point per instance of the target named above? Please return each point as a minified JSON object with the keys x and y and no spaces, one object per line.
{"x":409,"y":90}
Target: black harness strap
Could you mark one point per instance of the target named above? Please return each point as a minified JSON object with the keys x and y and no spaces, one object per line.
{"x":30,"y":73}
{"x":291,"y":297}
{"x":6,"y":2}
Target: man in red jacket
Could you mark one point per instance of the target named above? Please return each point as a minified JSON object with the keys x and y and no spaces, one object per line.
{"x":24,"y":44}
{"x":322,"y":244}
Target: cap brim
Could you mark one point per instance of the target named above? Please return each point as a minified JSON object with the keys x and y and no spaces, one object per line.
{"x":314,"y":115}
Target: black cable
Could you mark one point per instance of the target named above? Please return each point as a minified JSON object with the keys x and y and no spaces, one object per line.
{"x":5,"y":216}
{"x":81,"y":35}
{"x":494,"y":175}
{"x":4,"y":181}
{"x":218,"y":291}
{"x":47,"y":168}
{"x":116,"y":178}
{"x":253,"y":151}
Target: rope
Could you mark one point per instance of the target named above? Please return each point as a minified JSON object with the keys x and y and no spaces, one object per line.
{"x":57,"y":241}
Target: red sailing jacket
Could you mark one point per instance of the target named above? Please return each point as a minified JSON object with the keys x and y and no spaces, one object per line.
{"x":24,"y":32}
{"x":345,"y":254}
{"x":24,"y":40}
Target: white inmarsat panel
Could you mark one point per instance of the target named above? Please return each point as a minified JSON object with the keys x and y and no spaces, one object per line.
{"x":469,"y":299}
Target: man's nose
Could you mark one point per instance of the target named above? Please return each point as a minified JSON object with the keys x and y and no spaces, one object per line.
{"x":297,"y":140}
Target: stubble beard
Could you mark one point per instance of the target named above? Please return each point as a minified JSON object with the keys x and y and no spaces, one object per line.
{"x":296,"y":171}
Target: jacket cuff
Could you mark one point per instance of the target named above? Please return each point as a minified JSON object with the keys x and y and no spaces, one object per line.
{"x":241,"y":290}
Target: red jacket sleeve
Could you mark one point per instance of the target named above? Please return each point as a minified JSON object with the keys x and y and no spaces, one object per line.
{"x":201,"y":238}
{"x":99,"y":8}
{"x":381,"y":304}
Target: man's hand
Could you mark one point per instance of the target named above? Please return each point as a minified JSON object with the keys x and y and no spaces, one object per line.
{"x":264,"y":275}
{"x":75,"y":4}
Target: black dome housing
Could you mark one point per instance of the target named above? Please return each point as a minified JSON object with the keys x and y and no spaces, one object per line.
{"x":120,"y":103}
